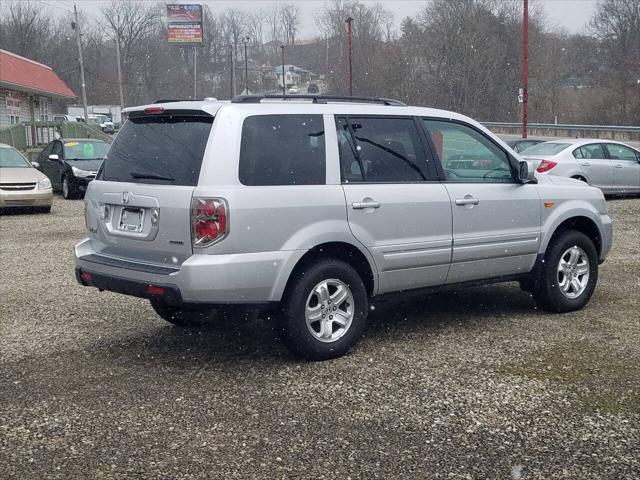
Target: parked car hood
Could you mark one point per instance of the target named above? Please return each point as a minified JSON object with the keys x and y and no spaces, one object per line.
{"x":20,"y":175}
{"x":87,"y":165}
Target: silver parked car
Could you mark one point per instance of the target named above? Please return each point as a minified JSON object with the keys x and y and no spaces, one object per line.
{"x":611,"y":166}
{"x":314,"y":207}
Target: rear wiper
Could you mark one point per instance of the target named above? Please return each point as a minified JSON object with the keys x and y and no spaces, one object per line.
{"x":151,"y":176}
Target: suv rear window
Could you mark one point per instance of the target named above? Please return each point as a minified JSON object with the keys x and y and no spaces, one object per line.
{"x":158,"y":149}
{"x":283,"y":150}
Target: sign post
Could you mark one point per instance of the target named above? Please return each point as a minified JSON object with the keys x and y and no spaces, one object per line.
{"x":184,"y":27}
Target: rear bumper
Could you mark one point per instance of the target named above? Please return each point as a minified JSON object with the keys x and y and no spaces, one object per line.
{"x":26,"y":198}
{"x":250,"y":278}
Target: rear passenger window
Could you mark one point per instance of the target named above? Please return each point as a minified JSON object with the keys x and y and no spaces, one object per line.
{"x":592,"y":151}
{"x":283,"y":150}
{"x":380,"y":150}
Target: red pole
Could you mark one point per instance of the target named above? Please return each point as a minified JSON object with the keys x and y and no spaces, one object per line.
{"x":350,"y":43}
{"x":525,"y":66}
{"x":284,"y":85}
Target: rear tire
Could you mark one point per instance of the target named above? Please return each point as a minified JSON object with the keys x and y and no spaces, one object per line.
{"x":43,"y":209}
{"x":192,"y":316}
{"x":569,"y":273}
{"x":582,"y":179}
{"x":324,"y":310}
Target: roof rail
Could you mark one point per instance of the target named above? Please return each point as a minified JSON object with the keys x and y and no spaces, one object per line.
{"x":318,"y":99}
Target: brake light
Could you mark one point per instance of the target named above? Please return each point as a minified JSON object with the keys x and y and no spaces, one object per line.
{"x":546,"y":165}
{"x":155,"y":291}
{"x":209,"y":221}
{"x":153,"y":110}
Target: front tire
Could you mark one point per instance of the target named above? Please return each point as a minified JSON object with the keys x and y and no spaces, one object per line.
{"x":569,"y":273}
{"x":69,"y":190}
{"x":183,"y":316}
{"x":324,"y":311}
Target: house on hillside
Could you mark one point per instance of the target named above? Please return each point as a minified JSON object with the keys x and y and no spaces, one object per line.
{"x":293,"y":75}
{"x":27,"y":90}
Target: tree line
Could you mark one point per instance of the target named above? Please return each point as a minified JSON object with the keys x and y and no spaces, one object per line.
{"x":461,"y":55}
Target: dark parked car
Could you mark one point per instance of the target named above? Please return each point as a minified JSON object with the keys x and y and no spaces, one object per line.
{"x":72,"y":163}
{"x":520,"y":144}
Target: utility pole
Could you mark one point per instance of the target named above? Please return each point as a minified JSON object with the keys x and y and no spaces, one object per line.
{"x":195,"y":73}
{"x":525,"y":66}
{"x":119,"y":70}
{"x":350,"y":45}
{"x":233,"y":71}
{"x":284,"y":91}
{"x":76,"y":26}
{"x":245,"y":40}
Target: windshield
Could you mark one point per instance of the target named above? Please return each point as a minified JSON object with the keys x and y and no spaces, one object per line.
{"x":547,"y":148}
{"x":85,"y":150}
{"x":161,"y":149}
{"x":11,"y":158}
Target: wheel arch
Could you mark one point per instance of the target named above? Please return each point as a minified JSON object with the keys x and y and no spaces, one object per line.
{"x":344,"y":251}
{"x":580,"y":223}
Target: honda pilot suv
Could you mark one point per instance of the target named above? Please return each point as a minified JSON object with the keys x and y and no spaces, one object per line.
{"x":313,"y":207}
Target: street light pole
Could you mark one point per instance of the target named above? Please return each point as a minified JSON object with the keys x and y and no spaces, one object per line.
{"x":350,"y":44}
{"x":525,"y":66}
{"x":284,"y":91}
{"x":119,"y":70}
{"x":245,"y":40}
{"x":76,"y":27}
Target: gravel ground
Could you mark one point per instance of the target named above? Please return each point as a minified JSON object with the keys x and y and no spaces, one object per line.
{"x":472,"y":384}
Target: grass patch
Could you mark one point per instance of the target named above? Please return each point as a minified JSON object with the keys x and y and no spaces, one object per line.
{"x":604,"y":380}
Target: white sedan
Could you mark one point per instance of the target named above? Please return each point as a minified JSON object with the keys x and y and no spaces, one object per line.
{"x":611,"y":166}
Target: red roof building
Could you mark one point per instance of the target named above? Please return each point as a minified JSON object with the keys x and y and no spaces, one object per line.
{"x":27,"y":89}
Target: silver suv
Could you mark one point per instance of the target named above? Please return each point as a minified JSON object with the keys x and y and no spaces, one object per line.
{"x":315,"y":206}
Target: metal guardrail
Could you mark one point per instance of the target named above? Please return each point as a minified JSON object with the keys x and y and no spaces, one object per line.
{"x":560,"y":126}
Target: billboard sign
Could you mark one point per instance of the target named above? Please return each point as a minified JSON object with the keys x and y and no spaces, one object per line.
{"x":184,"y":24}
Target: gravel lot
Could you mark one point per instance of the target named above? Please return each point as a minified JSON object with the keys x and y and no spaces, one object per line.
{"x":471,"y":384}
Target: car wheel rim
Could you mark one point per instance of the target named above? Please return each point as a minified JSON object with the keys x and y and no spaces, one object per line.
{"x":573,"y":272}
{"x":329,"y":310}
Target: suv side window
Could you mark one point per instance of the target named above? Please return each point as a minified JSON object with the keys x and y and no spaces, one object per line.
{"x":283,"y":150}
{"x":380,"y":150}
{"x":620,"y":152}
{"x":44,"y":155}
{"x":467,"y":155}
{"x":592,"y":151}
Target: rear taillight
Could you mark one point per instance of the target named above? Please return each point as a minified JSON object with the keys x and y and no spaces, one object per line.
{"x":209,"y":221}
{"x":154,"y":110}
{"x":546,"y":165}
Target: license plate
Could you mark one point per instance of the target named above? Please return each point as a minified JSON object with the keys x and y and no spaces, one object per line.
{"x":131,"y":219}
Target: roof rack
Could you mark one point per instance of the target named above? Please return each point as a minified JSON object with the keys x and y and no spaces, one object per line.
{"x":318,"y":99}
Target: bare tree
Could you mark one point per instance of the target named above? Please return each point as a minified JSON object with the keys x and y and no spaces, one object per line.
{"x":616,"y":23}
{"x":132,"y":23}
{"x":290,"y":16}
{"x":25,"y":28}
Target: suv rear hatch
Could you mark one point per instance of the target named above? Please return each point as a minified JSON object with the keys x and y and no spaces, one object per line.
{"x":140,"y":207}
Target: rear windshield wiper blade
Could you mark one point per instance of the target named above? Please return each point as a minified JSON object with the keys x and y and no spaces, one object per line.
{"x":151,"y":176}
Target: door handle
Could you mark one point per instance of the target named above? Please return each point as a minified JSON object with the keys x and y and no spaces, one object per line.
{"x":467,"y":201}
{"x":617,"y":165}
{"x":363,"y":205}
{"x":586,"y":164}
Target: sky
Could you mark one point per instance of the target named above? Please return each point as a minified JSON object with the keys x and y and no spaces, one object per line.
{"x":571,"y":15}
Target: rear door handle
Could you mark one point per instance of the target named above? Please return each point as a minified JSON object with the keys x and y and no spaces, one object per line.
{"x":586,"y":164}
{"x":617,"y":165}
{"x":363,"y":205}
{"x":467,"y":201}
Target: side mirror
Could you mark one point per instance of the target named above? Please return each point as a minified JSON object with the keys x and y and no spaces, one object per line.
{"x":526,"y":173}
{"x":54,"y":157}
{"x":35,"y":164}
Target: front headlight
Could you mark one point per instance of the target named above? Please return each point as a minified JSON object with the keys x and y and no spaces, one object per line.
{"x":80,"y":173}
{"x":44,"y":184}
